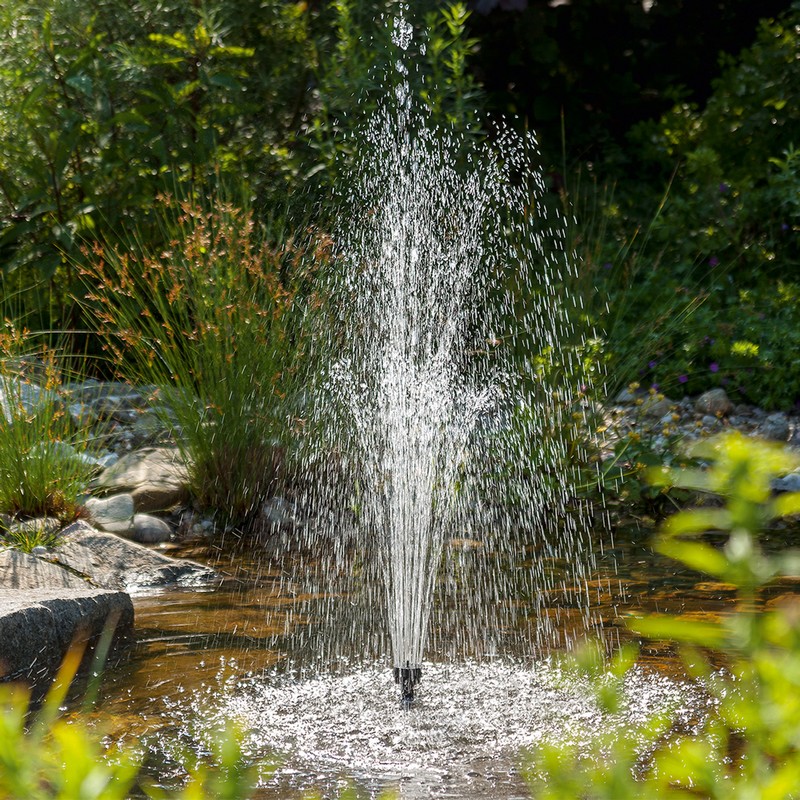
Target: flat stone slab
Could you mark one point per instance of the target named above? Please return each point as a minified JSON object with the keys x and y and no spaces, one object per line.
{"x":111,"y":562}
{"x":23,"y":571}
{"x":38,"y":626}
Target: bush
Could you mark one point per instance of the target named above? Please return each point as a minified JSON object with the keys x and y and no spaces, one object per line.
{"x":747,"y":744}
{"x":735,"y":198}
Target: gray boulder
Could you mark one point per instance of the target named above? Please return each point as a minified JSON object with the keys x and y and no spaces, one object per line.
{"x":38,"y":627}
{"x":114,"y":563}
{"x":24,"y":571}
{"x":113,"y":514}
{"x":157,"y":477}
{"x":149,"y":530}
{"x":714,"y":402}
{"x":775,"y":427}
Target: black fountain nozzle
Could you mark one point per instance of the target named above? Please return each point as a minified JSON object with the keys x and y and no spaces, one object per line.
{"x":407,"y":677}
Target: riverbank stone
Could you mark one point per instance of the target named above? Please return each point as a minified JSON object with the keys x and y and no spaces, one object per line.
{"x":156,"y":477}
{"x":714,"y":402}
{"x":111,"y":562}
{"x":38,"y":627}
{"x":149,"y":530}
{"x":24,"y":571}
{"x":113,"y":514}
{"x":775,"y":428}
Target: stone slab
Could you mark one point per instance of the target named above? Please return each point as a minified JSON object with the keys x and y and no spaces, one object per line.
{"x":115,"y":563}
{"x":38,"y":627}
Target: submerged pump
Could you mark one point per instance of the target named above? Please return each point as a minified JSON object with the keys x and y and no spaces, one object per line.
{"x":407,"y":677}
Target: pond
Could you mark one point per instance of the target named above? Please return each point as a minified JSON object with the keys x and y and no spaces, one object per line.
{"x":236,"y":652}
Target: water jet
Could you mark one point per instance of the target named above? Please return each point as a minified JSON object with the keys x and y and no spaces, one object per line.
{"x":451,"y":393}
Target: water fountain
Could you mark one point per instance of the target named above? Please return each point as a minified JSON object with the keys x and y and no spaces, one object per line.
{"x":451,"y":319}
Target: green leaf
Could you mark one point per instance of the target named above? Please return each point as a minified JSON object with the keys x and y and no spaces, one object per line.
{"x":696,"y":555}
{"x":697,"y":521}
{"x":786,"y":505}
{"x":679,"y":629}
{"x":225,"y":81}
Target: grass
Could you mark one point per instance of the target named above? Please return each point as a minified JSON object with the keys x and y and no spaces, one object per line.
{"x":42,"y":472}
{"x":212,"y":321}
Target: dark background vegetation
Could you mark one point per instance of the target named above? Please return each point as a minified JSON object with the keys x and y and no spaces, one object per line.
{"x":667,"y":128}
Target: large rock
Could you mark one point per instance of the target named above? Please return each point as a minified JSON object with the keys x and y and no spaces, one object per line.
{"x":113,"y":514}
{"x":20,"y":570}
{"x":114,"y":563}
{"x":157,"y":477}
{"x":38,"y":627}
{"x":149,"y":530}
{"x":714,"y":402}
{"x":775,"y":427}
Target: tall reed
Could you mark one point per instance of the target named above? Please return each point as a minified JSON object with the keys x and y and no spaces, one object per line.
{"x":212,"y":320}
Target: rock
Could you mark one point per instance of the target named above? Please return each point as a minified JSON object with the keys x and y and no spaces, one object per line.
{"x":714,"y":402}
{"x":657,"y":407}
{"x":626,"y":397}
{"x":113,"y":514}
{"x":149,"y":530}
{"x":114,"y":563}
{"x":150,"y":466}
{"x":20,"y":570}
{"x":44,"y":525}
{"x":775,"y":427}
{"x":279,"y":513}
{"x":148,"y":428}
{"x":38,"y":627}
{"x":709,"y":421}
{"x":19,"y":392}
{"x":788,"y":483}
{"x":158,"y":497}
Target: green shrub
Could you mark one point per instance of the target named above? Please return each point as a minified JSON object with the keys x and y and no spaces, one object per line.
{"x":735,"y":199}
{"x":746,"y":745}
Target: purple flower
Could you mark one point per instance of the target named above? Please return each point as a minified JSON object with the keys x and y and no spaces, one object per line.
{"x":784,"y":226}
{"x":655,"y":387}
{"x":713,"y":261}
{"x":607,"y":265}
{"x":683,"y":379}
{"x":723,"y":188}
{"x":713,"y":366}
{"x":652,"y":364}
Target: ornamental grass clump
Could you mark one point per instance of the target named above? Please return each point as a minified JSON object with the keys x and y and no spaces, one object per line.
{"x":212,"y":321}
{"x":43,"y":468}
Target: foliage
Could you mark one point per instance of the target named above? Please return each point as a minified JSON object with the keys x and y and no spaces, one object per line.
{"x":42,"y":468}
{"x":604,"y":65}
{"x":747,"y":746}
{"x":104,"y":107}
{"x":45,"y":757}
{"x":735,"y":200}
{"x":213,"y":321}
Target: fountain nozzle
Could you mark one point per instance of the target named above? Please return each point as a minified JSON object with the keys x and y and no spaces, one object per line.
{"x":407,"y":677}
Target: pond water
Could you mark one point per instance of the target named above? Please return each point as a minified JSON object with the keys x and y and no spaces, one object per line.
{"x":232,"y":652}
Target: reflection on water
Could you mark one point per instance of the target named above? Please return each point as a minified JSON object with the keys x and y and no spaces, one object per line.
{"x":239,"y":651}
